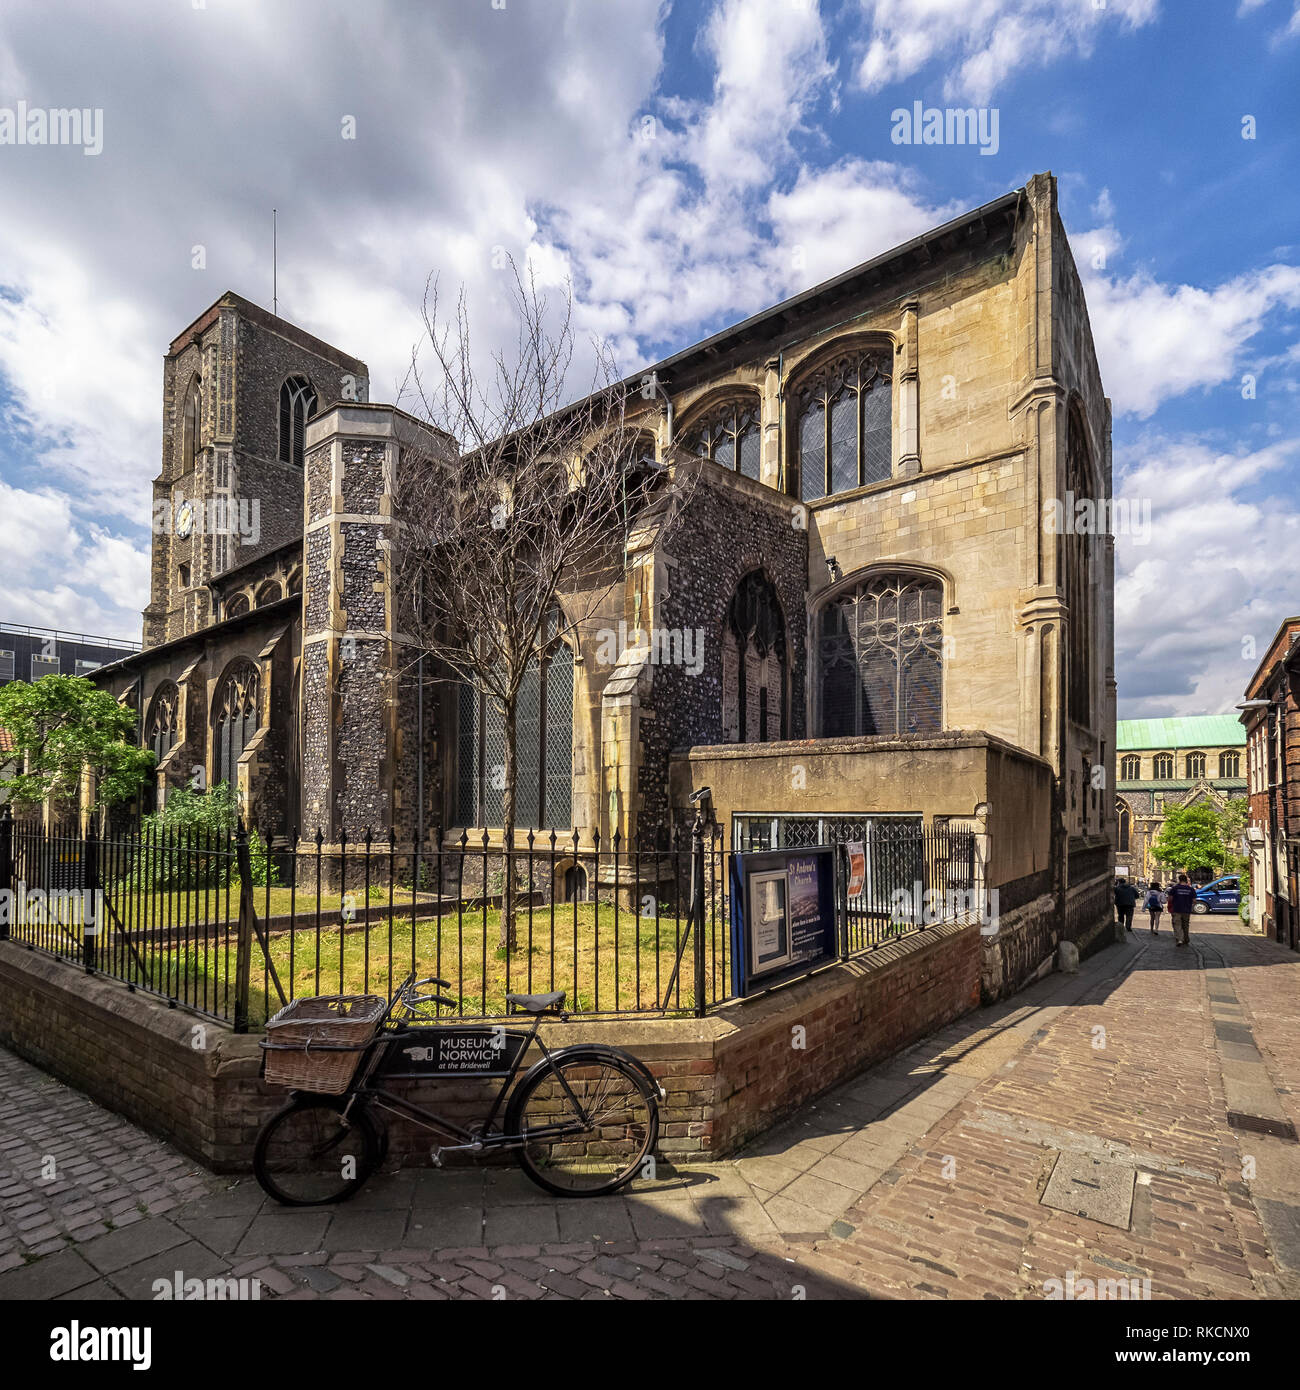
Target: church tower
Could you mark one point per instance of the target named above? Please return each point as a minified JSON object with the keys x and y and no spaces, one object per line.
{"x":239,"y":386}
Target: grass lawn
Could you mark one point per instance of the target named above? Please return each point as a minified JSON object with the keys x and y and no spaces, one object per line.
{"x":623,"y":962}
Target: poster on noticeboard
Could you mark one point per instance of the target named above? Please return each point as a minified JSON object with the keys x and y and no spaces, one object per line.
{"x":782,"y":916}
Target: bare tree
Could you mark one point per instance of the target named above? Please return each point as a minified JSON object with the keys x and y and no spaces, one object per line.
{"x":506,"y":545}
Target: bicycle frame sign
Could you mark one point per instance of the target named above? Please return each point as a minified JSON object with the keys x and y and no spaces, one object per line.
{"x":782,"y":916}
{"x":433,"y":1051}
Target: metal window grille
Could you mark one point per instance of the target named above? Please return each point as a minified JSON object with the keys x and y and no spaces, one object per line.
{"x":543,"y":750}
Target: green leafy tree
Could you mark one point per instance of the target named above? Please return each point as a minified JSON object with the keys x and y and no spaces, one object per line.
{"x":61,"y":725}
{"x":1202,"y":836}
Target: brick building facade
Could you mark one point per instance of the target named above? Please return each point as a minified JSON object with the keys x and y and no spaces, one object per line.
{"x":1271,"y":715}
{"x":863,"y":556}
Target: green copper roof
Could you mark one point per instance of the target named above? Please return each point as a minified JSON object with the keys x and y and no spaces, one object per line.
{"x":1193,"y":731}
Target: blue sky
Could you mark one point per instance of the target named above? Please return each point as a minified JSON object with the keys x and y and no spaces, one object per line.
{"x":685,"y":165}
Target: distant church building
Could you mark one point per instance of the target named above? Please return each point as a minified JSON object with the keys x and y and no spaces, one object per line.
{"x":887,"y":629}
{"x":1164,"y":763}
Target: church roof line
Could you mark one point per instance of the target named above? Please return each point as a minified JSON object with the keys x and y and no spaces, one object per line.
{"x":256,"y":314}
{"x":1189,"y":731}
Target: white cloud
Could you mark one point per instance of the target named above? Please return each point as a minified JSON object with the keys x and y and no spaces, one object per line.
{"x":1158,"y":341}
{"x":61,"y":573}
{"x":770,"y":66}
{"x":983,"y":41}
{"x":1219,"y":572}
{"x":832,"y":219}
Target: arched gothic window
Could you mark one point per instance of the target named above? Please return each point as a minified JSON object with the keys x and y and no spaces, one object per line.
{"x":295,"y":582}
{"x":160,"y":728}
{"x":234,"y":717}
{"x":880,"y":657}
{"x":191,"y":422}
{"x":753,"y":663}
{"x":543,"y":749}
{"x":297,"y":406}
{"x":237,"y":606}
{"x":730,"y":436}
{"x":1195,"y":765}
{"x":1130,"y":768}
{"x":268,"y":593}
{"x":1078,"y":548}
{"x":1162,"y":767}
{"x":1125,"y":822}
{"x":843,"y":412}
{"x":1230,"y":764}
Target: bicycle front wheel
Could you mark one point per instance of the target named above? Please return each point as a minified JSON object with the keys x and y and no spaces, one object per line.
{"x":586,"y":1124}
{"x":308,"y":1155}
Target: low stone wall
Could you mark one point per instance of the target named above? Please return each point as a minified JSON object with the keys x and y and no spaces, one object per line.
{"x":727,"y":1077}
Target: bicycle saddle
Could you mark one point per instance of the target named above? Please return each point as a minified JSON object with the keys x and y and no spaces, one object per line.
{"x":536,"y":1003}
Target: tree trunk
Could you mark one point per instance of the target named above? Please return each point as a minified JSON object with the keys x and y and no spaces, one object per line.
{"x":508,"y":833}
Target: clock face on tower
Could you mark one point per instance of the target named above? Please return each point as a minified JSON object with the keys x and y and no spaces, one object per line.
{"x":185,"y":520}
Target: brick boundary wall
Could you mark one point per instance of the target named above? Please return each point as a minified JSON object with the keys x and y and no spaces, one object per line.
{"x":728,"y":1077}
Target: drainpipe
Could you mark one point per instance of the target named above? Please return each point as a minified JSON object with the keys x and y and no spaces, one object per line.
{"x":657,"y":385}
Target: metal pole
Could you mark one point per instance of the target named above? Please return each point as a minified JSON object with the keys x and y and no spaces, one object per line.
{"x":244,"y":943}
{"x":90,"y":882}
{"x":6,"y":865}
{"x":697,"y":906}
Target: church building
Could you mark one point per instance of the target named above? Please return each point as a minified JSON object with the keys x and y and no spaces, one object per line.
{"x":862,"y":612}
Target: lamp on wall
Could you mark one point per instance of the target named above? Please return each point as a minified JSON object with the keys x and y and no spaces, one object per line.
{"x":833,"y":565}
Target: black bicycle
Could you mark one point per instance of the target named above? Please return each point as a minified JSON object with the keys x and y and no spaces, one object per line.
{"x":581,"y":1121}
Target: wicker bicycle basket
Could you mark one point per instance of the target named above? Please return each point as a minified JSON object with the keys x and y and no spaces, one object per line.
{"x":316,"y":1044}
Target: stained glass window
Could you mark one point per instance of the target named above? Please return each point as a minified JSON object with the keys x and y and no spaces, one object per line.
{"x":235,"y":717}
{"x":880,"y":652}
{"x":844,"y":430}
{"x":730,"y":436}
{"x":160,"y":730}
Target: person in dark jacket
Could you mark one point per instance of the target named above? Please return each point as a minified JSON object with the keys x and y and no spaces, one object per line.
{"x":1182,"y":899}
{"x":1126,"y":897}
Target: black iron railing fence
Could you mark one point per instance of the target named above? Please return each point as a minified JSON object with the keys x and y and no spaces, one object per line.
{"x":223,"y":925}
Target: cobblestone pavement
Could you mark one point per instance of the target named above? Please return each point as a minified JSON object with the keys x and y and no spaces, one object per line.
{"x":1153,"y":1090}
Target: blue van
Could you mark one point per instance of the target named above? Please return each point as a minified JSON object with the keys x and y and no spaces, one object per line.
{"x":1222,"y":895}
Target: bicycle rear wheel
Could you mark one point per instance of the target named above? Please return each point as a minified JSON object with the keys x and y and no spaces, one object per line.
{"x":307,"y":1155}
{"x":595,"y":1146}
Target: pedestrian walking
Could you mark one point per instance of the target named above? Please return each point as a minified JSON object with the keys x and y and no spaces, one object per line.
{"x":1155,"y":905}
{"x":1126,"y":897}
{"x":1181,"y":900}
